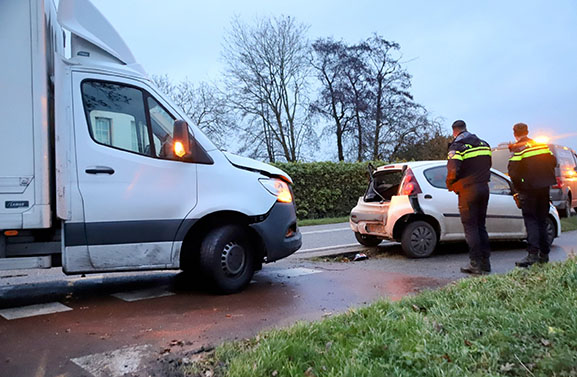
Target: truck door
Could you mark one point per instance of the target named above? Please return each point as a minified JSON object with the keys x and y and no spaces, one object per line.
{"x":135,"y":195}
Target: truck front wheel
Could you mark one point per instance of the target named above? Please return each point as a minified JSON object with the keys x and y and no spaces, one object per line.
{"x":227,"y":258}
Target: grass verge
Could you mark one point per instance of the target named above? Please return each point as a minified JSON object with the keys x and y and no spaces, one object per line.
{"x":569,"y":223}
{"x":328,"y":220}
{"x":523,"y":323}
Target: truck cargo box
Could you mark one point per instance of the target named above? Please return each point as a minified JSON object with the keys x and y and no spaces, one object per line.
{"x":26,"y":32}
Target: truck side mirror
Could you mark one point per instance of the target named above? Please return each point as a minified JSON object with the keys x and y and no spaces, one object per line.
{"x":181,"y":139}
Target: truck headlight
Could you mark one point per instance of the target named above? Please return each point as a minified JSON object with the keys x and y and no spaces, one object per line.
{"x":278,"y":188}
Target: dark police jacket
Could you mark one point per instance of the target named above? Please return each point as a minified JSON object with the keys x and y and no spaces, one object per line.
{"x":469,"y":161}
{"x":532,"y":165}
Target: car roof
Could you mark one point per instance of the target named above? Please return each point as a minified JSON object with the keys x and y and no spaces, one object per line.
{"x":411,"y":164}
{"x":424,"y":164}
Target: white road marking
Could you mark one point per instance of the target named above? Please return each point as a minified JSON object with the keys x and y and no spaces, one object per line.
{"x":329,"y":247}
{"x":143,"y":294}
{"x":33,"y":310}
{"x":115,"y":363}
{"x":293,"y":272}
{"x":327,"y":230}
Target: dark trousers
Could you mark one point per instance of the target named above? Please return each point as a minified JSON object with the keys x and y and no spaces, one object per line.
{"x":535,"y":208}
{"x":473,"y":201}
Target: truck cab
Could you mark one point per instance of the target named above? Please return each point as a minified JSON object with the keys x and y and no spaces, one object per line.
{"x":103,"y":173}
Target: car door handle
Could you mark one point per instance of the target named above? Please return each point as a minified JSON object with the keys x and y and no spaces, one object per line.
{"x":428,"y":196}
{"x":99,"y":170}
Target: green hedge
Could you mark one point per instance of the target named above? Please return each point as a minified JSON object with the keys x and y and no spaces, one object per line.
{"x":327,"y":189}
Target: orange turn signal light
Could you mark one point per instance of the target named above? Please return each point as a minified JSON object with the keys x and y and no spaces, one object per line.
{"x":179,"y":149}
{"x":279,"y":188}
{"x":10,"y":233}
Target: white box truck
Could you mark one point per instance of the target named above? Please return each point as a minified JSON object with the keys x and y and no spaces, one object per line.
{"x":101,"y":172}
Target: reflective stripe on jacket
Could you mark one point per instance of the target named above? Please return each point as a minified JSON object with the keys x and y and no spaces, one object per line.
{"x":532,"y":165}
{"x":469,"y":161}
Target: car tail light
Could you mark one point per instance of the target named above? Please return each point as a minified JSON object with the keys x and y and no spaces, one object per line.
{"x":409,"y":185}
{"x":559,"y":183}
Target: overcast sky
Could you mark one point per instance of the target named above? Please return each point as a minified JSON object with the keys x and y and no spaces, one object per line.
{"x":490,"y":63}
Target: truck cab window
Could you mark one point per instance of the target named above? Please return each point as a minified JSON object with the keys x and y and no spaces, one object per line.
{"x":116,"y":116}
{"x":162,"y":124}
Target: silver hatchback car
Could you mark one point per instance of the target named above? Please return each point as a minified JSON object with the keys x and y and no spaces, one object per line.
{"x":409,"y":203}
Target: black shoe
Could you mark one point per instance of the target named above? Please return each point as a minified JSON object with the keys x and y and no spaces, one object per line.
{"x":529,"y":260}
{"x":543,"y":258}
{"x":474,"y":269}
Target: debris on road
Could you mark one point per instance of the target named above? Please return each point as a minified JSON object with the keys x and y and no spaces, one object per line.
{"x":360,"y":256}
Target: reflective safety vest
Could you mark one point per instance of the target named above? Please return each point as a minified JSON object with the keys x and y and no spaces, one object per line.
{"x":470,"y":152}
{"x":469,"y":162}
{"x":532,"y":165}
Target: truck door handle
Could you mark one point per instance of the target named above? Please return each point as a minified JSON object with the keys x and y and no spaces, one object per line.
{"x":99,"y":170}
{"x":428,"y":196}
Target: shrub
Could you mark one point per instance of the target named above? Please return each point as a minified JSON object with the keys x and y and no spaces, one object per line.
{"x":327,"y":189}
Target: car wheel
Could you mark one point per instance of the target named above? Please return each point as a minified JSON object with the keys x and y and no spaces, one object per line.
{"x":227,"y":258}
{"x":367,"y":240}
{"x":550,"y":229}
{"x":419,"y":239}
{"x":566,"y":212}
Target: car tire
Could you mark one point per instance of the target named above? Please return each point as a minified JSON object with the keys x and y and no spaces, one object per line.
{"x":566,"y":212}
{"x":367,"y":240}
{"x":227,"y":259}
{"x":419,"y":239}
{"x":551,"y":230}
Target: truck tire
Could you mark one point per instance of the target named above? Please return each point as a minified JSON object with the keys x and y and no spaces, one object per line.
{"x":419,"y":239}
{"x":227,"y":258}
{"x":367,"y":240}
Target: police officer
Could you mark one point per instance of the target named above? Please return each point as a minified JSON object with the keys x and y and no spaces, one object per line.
{"x":532,"y":170}
{"x":468,"y":175}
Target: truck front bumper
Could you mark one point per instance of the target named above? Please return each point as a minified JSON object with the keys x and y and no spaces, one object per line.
{"x":279,"y":232}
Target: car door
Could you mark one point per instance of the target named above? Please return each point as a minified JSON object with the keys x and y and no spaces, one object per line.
{"x":504,"y":219}
{"x":442,"y":201}
{"x":134,"y":195}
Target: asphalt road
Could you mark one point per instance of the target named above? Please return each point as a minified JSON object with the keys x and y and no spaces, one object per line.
{"x":124,"y":324}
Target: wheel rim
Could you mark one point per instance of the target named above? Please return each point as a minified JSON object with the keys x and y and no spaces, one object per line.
{"x":233,"y":258}
{"x":422,"y":240}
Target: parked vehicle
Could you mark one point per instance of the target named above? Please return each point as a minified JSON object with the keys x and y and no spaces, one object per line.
{"x":98,"y":174}
{"x":409,"y":203}
{"x":564,"y":193}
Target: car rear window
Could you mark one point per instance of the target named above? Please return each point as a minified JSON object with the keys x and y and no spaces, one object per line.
{"x":383,"y":185}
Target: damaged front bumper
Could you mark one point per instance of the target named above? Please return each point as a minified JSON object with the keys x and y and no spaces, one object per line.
{"x":279,"y":232}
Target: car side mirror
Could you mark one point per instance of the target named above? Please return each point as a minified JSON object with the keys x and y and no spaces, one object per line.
{"x":181,"y":140}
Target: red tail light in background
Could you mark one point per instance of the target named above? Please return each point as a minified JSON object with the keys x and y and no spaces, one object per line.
{"x":409,"y":185}
{"x":559,"y":183}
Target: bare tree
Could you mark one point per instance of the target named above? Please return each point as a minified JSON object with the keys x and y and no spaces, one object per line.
{"x":266,"y":78}
{"x":204,"y":104}
{"x":329,"y":62}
